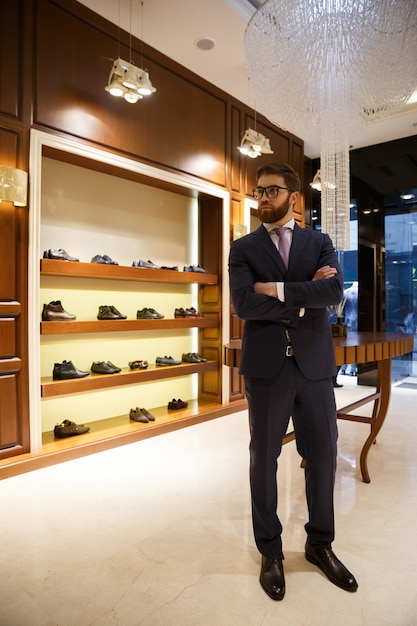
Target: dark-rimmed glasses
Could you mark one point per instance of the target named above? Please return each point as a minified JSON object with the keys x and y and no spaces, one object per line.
{"x":271,"y":192}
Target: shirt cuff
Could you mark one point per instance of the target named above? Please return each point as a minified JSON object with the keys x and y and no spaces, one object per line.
{"x":281,"y":297}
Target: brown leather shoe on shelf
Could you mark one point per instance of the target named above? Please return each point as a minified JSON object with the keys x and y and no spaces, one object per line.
{"x":175,"y":405}
{"x":137,"y":416}
{"x":54,"y":312}
{"x":69,"y":429}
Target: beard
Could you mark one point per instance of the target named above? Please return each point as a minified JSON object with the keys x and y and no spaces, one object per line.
{"x":273,"y":214}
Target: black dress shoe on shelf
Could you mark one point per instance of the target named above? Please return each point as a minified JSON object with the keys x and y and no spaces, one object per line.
{"x":148,"y":314}
{"x":100,"y":367}
{"x":330,"y":565}
{"x":115,"y":367}
{"x":272,"y":578}
{"x":116,"y":312}
{"x":54,"y":312}
{"x":106,"y":312}
{"x":105,"y":260}
{"x":195,"y":268}
{"x":147,"y":264}
{"x":67,"y":370}
{"x":166,"y":360}
{"x":173,"y":268}
{"x":58,"y":255}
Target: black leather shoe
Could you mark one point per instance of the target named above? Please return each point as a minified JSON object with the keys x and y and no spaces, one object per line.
{"x":100,"y":367}
{"x":103,"y":259}
{"x":195,"y":268}
{"x":106,"y":312}
{"x":67,"y":370}
{"x":147,"y":264}
{"x":272,"y":578}
{"x":330,"y":565}
{"x":116,"y":368}
{"x":58,"y":255}
{"x":166,"y":360}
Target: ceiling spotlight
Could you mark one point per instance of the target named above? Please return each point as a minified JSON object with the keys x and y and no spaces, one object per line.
{"x":254,"y":144}
{"x":128,"y":81}
{"x":145,"y":86}
{"x":316,"y":182}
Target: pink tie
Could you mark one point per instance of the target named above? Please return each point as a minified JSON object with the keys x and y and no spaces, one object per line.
{"x":283,"y":244}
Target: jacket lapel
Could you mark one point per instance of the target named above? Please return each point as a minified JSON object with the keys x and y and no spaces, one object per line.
{"x":263,"y":239}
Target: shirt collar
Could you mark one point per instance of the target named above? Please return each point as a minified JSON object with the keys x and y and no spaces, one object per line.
{"x":289,"y":224}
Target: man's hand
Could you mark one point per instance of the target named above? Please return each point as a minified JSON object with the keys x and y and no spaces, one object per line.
{"x":267,"y":289}
{"x":325,"y":272}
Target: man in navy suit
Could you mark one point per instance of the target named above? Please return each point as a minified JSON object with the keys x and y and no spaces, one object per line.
{"x":288,"y":362}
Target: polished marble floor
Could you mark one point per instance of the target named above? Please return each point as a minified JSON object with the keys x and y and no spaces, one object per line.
{"x":158,"y":533}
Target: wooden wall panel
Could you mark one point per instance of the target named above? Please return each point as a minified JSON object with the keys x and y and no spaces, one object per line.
{"x":8,"y":229}
{"x":235,"y":156}
{"x":10,"y":20}
{"x":8,"y":412}
{"x":179,"y":125}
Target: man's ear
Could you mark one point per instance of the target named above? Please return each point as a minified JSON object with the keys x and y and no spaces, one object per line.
{"x":294,"y":197}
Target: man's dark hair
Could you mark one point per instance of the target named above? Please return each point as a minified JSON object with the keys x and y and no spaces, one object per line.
{"x":292,"y":180}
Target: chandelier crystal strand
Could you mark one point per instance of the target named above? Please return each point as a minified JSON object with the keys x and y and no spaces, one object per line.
{"x":332,"y":65}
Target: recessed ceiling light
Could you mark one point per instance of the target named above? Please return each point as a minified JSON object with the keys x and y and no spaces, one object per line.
{"x":205,"y":43}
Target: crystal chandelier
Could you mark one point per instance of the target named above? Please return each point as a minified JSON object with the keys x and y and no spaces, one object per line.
{"x":332,"y":65}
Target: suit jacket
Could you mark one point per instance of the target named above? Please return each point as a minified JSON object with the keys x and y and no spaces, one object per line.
{"x":255,"y":258}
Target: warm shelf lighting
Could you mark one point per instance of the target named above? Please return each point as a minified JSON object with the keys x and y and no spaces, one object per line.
{"x":13,"y":185}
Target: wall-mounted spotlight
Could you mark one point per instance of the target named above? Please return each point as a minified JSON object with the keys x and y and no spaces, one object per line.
{"x":254,"y":144}
{"x":128,"y":81}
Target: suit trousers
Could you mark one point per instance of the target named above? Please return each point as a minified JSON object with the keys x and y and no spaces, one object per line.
{"x":311,"y":403}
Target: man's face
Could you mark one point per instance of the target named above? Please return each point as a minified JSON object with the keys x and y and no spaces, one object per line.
{"x":279,"y":209}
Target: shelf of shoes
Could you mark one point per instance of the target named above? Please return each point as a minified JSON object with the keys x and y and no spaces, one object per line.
{"x":93,"y":382}
{"x":51,"y":267}
{"x":106,"y":326}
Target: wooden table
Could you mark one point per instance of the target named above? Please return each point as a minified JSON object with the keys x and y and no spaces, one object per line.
{"x":358,"y":347}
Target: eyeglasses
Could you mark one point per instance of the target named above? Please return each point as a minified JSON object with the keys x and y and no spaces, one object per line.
{"x":271,"y":192}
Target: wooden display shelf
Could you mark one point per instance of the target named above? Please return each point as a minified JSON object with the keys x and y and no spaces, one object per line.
{"x":73,"y":269}
{"x":108,"y":326}
{"x":113,"y":432}
{"x":51,"y":388}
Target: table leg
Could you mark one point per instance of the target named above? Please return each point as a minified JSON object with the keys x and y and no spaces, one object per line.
{"x":378,"y":414}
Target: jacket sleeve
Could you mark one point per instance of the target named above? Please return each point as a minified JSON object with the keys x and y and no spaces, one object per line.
{"x":249,"y":305}
{"x":316,"y":294}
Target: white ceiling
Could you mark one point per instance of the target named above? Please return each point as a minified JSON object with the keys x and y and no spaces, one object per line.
{"x":173,"y":26}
